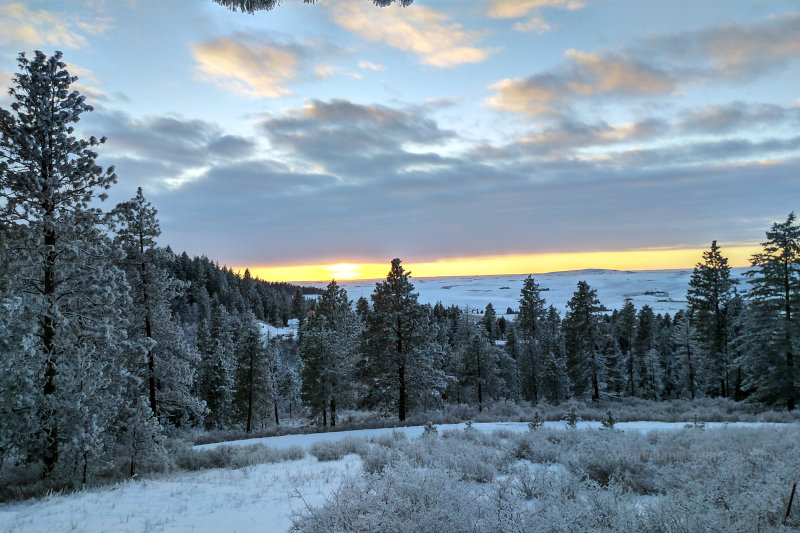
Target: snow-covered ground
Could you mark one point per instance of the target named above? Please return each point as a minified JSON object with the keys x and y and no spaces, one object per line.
{"x":252,"y":499}
{"x":663,"y":290}
{"x":256,"y":498}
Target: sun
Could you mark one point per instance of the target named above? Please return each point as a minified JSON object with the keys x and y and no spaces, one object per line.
{"x":344,"y":271}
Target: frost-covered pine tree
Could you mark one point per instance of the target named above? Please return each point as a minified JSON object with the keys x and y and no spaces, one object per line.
{"x":252,"y":382}
{"x":585,"y":362}
{"x":530,"y":331}
{"x":170,"y":361}
{"x":395,"y":336}
{"x":215,"y":375}
{"x":685,"y":354}
{"x":773,"y":330}
{"x":710,"y":290}
{"x":625,"y":332}
{"x":328,"y":349}
{"x":67,"y":297}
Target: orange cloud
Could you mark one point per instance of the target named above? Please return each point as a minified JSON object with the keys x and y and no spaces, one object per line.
{"x":511,"y":9}
{"x":247,"y":66}
{"x":426,"y":32}
{"x":20,"y":25}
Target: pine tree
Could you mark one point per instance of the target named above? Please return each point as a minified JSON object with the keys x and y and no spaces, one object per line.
{"x":584,"y":360}
{"x":394,"y":337}
{"x":625,"y":328}
{"x":170,"y":360}
{"x":686,"y":353}
{"x":215,"y":376}
{"x":251,"y":378}
{"x":48,"y":179}
{"x":489,"y":322}
{"x":328,"y":348}
{"x":529,"y":332}
{"x":774,"y":329}
{"x":710,"y":290}
{"x":643,"y":342}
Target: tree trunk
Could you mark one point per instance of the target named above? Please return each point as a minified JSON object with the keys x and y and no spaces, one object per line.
{"x":50,"y":455}
{"x":401,"y":400}
{"x":250,"y":386}
{"x":333,"y":411}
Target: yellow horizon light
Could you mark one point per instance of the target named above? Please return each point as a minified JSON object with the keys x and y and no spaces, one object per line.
{"x":645,"y":259}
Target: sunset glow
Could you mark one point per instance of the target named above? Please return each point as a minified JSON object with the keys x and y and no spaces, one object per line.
{"x":652,"y":259}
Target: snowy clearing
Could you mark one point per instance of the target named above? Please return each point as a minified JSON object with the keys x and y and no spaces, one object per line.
{"x":255,"y":498}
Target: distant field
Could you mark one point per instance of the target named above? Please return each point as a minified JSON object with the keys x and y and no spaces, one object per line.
{"x":663,"y":290}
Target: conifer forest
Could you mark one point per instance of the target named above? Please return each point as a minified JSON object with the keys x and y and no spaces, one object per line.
{"x":118,"y":353}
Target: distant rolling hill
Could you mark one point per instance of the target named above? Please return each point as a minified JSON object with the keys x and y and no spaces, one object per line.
{"x":663,"y":290}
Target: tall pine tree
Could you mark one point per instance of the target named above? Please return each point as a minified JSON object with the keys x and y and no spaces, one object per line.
{"x":774,"y":328}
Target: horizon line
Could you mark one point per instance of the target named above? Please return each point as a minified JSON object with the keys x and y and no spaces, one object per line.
{"x":506,"y":265}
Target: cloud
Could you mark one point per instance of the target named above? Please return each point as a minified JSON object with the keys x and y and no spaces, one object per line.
{"x":655,"y":67}
{"x":366,"y":65}
{"x":738,"y":52}
{"x":248,"y":65}
{"x":21,"y":26}
{"x":164,"y":151}
{"x":581,"y":75}
{"x":356,"y":141}
{"x":426,"y":32}
{"x":570,"y":134}
{"x":736,"y":116}
{"x":514,"y":9}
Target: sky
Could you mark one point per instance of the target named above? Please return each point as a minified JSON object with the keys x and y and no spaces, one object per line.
{"x":464,"y":137}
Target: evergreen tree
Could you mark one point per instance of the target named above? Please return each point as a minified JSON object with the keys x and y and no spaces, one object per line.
{"x":685,"y":351}
{"x":170,"y":361}
{"x":774,"y":329}
{"x":555,"y":381}
{"x":329,"y":344}
{"x":215,"y":376}
{"x":251,"y":378}
{"x":643,"y":342}
{"x":710,"y":290}
{"x":529,"y":333}
{"x":584,"y":360}
{"x":489,"y":322}
{"x":394,"y":338}
{"x":48,"y":179}
{"x":625,"y":328}
{"x":251,"y":6}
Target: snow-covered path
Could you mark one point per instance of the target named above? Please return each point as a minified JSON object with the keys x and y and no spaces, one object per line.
{"x":285,"y":441}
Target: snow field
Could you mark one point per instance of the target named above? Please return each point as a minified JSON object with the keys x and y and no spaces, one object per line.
{"x":252,"y":499}
{"x":663,"y":290}
{"x":265,"y":497}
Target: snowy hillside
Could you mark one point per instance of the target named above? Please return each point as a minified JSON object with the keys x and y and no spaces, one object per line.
{"x":663,"y":290}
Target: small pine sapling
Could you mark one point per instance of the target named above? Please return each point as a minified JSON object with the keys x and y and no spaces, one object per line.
{"x":536,"y":422}
{"x":695,"y":424}
{"x":430,"y":430}
{"x":608,"y":422}
{"x":573,"y":417}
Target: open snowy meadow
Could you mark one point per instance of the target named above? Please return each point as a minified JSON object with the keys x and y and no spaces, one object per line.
{"x":639,"y":476}
{"x":663,"y":290}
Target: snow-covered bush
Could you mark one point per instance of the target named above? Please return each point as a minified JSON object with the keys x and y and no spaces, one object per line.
{"x":234,"y":456}
{"x":334,"y":450}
